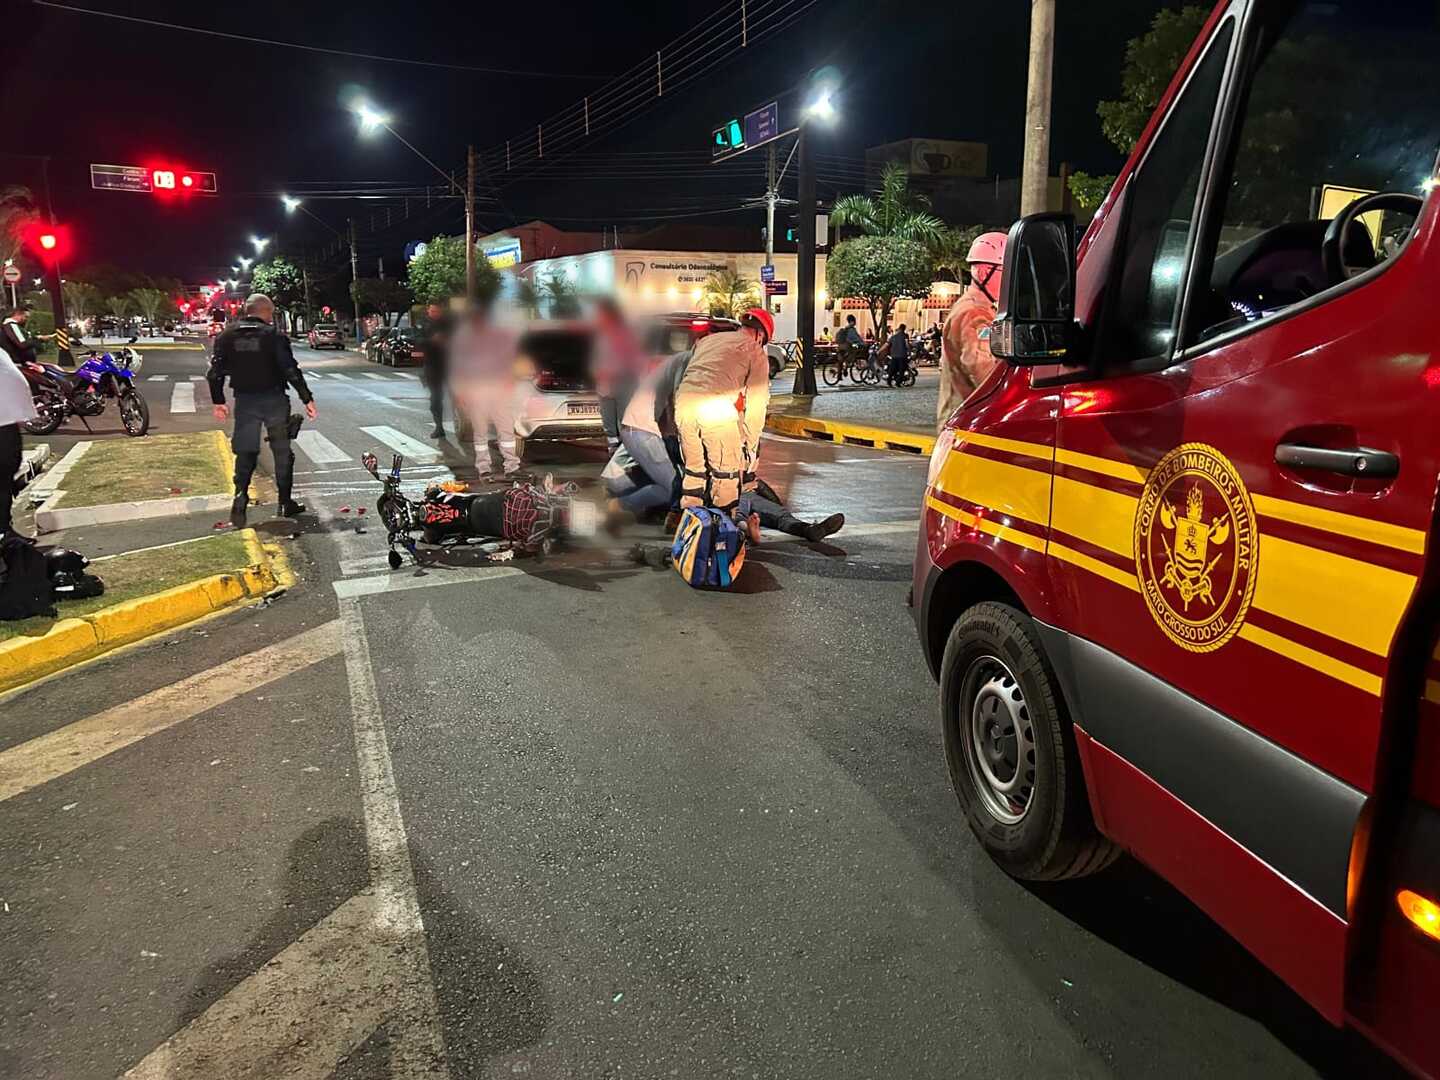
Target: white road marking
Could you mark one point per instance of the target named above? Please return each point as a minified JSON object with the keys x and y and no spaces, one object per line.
{"x":373,"y":375}
{"x":407,"y":375}
{"x":383,"y":400}
{"x":318,"y":448}
{"x":420,"y":1047}
{"x":337,"y":375}
{"x":49,"y":756}
{"x":182,"y":398}
{"x":413,"y":449}
{"x":313,"y":375}
{"x":406,"y":579}
{"x":157,"y":378}
{"x":197,"y":378}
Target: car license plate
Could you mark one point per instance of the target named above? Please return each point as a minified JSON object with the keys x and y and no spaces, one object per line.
{"x":584,"y":408}
{"x":582,"y":518}
{"x":415,"y":354}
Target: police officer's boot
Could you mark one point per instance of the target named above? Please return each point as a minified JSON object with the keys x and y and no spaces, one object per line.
{"x":244,"y":470}
{"x":288,"y":506}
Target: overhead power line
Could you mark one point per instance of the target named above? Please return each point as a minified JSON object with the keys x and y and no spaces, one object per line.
{"x":313,"y":48}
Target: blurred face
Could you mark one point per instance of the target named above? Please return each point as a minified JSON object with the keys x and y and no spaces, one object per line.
{"x":988,"y":278}
{"x":21,"y":316}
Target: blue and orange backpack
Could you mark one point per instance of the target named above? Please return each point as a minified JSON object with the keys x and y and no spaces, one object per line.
{"x":709,"y":548}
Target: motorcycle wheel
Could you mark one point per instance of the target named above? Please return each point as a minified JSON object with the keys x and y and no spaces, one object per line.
{"x":833,"y":374}
{"x":50,"y":414}
{"x":134,"y":412}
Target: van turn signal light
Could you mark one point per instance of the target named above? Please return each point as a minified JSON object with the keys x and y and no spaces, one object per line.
{"x":1423,"y":913}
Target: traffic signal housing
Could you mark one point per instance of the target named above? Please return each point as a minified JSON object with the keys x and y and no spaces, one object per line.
{"x":48,"y":243}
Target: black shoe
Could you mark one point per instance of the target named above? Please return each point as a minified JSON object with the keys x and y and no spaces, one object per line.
{"x":291,"y":508}
{"x":438,"y":433}
{"x":237,"y":510}
{"x":821,"y":529}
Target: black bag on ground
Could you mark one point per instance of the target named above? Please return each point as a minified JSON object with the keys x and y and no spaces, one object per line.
{"x":68,"y":578}
{"x":25,"y":588}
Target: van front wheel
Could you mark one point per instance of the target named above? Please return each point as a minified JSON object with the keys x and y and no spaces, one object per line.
{"x":1011,"y":752}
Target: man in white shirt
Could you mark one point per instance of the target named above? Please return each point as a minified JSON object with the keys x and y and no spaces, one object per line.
{"x":16,"y":406}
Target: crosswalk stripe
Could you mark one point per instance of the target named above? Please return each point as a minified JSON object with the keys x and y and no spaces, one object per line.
{"x":413,"y":449}
{"x":337,"y":375}
{"x":381,"y":399}
{"x":407,"y":375}
{"x":50,"y":756}
{"x":197,"y":378}
{"x":182,"y":398}
{"x":313,"y":375}
{"x":373,"y":375}
{"x":157,"y":378}
{"x":319,"y":449}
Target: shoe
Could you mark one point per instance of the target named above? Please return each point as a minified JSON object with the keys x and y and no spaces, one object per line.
{"x":291,"y":508}
{"x":237,"y":510}
{"x":819,"y":530}
{"x":438,"y":433}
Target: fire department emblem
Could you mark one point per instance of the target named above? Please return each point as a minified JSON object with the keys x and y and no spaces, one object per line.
{"x":1195,"y":547}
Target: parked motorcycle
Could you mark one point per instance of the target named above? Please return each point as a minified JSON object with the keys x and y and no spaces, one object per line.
{"x":84,"y":392}
{"x":523,"y":518}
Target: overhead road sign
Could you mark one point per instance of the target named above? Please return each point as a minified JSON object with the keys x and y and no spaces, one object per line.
{"x":150,"y":180}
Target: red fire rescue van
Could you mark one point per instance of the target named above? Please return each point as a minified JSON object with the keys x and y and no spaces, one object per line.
{"x":1178,"y":573}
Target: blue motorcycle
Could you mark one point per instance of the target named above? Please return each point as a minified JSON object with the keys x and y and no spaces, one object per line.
{"x":84,"y":392}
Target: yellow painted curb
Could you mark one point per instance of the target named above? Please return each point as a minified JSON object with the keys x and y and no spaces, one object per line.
{"x":69,"y":641}
{"x":843,"y":432}
{"x":261,"y":486}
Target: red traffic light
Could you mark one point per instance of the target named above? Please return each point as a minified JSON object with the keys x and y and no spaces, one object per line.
{"x":50,"y":242}
{"x":166,"y":180}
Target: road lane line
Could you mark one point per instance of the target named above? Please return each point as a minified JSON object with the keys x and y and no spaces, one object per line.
{"x":407,"y":375}
{"x":298,"y":1017}
{"x":314,"y":375}
{"x":413,"y":449}
{"x":50,"y":756}
{"x":383,"y":400}
{"x":318,"y":448}
{"x":197,"y":378}
{"x":182,"y":398}
{"x":373,"y":375}
{"x":157,"y":378}
{"x":409,"y":578}
{"x":420,"y":1046}
{"x":338,"y":375}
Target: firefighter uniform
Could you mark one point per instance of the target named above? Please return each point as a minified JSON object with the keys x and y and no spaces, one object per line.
{"x":720,"y":413}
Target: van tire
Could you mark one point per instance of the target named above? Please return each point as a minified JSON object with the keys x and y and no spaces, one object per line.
{"x":994,"y":665}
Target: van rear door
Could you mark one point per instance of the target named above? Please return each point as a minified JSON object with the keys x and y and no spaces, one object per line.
{"x":1246,"y":471}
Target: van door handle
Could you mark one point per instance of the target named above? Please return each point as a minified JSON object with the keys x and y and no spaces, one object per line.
{"x":1356,"y":461}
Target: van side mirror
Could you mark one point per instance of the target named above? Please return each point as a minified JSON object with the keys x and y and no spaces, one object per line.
{"x":1036,"y":323}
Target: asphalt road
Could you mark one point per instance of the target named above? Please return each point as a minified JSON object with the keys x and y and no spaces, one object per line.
{"x":564,"y":819}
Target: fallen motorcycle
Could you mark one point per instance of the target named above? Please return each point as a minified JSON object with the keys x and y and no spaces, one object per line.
{"x":84,"y":392}
{"x":523,"y":519}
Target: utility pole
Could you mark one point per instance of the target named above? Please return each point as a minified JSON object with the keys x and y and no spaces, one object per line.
{"x":805,"y":275}
{"x":470,"y":224}
{"x":309,"y":307}
{"x":772,"y":196}
{"x":1035,"y":178}
{"x":355,"y":280}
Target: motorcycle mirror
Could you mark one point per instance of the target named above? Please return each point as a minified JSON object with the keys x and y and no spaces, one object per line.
{"x":396,"y":462}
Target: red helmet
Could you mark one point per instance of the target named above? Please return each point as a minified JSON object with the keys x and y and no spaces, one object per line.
{"x":761,"y":318}
{"x":988,"y":248}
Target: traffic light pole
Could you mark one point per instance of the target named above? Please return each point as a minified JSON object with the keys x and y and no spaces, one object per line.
{"x":57,"y":306}
{"x":772,"y":196}
{"x":805,"y":274}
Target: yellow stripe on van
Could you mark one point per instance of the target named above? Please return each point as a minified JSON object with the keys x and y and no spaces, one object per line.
{"x":1095,"y":566}
{"x":1010,"y":446}
{"x":1104,"y":518}
{"x":1332,"y":521}
{"x":985,"y":525}
{"x":1121,"y":470}
{"x":1311,"y":658}
{"x":1347,"y":599}
{"x":1012,"y":490}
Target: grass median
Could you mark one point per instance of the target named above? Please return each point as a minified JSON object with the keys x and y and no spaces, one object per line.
{"x":150,"y":467}
{"x":140,"y":573}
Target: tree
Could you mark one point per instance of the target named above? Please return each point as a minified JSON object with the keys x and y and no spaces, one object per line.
{"x":1151,"y":61}
{"x":381,"y":296}
{"x":17,"y":209}
{"x":439,"y":274}
{"x":82,"y":300}
{"x":563,"y":298}
{"x":727,"y":293}
{"x":152,"y":304}
{"x":281,"y":280}
{"x":122,"y":307}
{"x":894,"y":211}
{"x":879,"y":270}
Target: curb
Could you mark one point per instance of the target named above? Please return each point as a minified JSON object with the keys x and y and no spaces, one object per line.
{"x":31,"y":462}
{"x":843,"y":432}
{"x":70,"y":641}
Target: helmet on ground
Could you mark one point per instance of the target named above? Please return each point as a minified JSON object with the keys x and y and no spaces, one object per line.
{"x":762,"y":320}
{"x":988,"y":248}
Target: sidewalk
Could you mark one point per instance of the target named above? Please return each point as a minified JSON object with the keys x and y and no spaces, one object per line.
{"x":882,"y":417}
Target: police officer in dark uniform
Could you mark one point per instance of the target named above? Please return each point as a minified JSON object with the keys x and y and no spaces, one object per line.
{"x":436,"y":332}
{"x":257,"y":360}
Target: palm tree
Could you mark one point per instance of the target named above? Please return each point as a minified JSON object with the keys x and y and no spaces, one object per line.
{"x":150,"y":303}
{"x":893,"y":211}
{"x":728,"y":293}
{"x":17,"y":208}
{"x":82,"y":299}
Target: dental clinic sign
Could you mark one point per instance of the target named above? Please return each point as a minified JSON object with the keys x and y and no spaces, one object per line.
{"x":505,"y":253}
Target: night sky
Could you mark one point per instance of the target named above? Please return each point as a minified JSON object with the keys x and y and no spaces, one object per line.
{"x":83,"y":89}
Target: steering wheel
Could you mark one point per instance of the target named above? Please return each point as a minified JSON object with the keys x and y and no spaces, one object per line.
{"x":1345,"y":256}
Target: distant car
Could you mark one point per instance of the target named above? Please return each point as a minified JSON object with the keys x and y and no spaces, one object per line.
{"x":374,"y":347}
{"x":565,"y":405}
{"x":403,"y":347}
{"x":669,"y":334}
{"x":325,"y":336}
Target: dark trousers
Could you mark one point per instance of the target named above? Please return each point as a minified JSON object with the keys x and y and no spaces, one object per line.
{"x":435,"y":383}
{"x":773,"y":515}
{"x":895,"y":368}
{"x":269,"y":411}
{"x":9,"y":465}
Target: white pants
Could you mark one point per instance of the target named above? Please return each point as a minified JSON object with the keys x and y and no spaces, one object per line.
{"x":493,"y":405}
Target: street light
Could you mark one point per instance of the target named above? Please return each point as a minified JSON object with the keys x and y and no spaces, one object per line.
{"x":370,"y":119}
{"x":291,"y":204}
{"x":243,"y":261}
{"x":822,"y":108}
{"x":259,"y":244}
